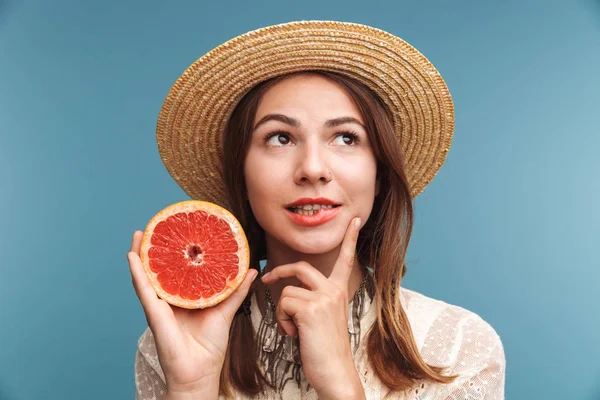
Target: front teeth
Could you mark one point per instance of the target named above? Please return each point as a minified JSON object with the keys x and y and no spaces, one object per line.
{"x":309,"y":209}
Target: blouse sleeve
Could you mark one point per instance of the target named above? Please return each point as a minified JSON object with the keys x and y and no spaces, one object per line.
{"x":479,"y":362}
{"x":149,"y":383}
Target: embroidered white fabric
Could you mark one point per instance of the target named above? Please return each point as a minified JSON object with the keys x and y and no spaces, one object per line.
{"x":446,"y":335}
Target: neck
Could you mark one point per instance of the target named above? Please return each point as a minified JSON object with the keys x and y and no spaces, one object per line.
{"x":278,"y":254}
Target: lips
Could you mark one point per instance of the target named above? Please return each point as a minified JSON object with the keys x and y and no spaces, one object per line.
{"x":322,"y":216}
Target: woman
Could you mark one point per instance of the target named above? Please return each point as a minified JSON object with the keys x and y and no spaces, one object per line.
{"x":321,"y":136}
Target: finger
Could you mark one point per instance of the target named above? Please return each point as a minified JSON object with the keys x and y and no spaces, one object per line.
{"x":294,"y":292}
{"x":298,"y":293}
{"x":230,"y":305}
{"x":144,"y":291}
{"x":159,"y":314}
{"x":303,"y":271}
{"x":340,"y":275}
{"x":286,"y":311}
{"x":136,"y":242}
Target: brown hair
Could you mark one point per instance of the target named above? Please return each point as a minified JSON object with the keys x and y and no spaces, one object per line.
{"x":382,"y":244}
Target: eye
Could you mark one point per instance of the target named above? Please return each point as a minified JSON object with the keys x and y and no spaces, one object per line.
{"x":349,"y":138}
{"x":277,"y":139}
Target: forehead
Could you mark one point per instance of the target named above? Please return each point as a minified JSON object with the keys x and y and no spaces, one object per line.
{"x":312,"y":94}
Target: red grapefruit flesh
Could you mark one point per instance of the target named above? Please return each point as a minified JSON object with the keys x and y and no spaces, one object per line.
{"x":195,"y":254}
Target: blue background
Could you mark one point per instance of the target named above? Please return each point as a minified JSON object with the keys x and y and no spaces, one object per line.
{"x":507,"y":229}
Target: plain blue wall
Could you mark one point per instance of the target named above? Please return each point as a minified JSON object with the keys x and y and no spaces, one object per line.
{"x":508,"y":228}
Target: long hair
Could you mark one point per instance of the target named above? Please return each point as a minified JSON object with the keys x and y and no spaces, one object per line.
{"x":382,"y":244}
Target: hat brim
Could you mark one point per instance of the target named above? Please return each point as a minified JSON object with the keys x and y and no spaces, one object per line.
{"x":195,"y":112}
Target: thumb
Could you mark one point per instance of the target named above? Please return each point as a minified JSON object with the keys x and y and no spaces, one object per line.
{"x":230,"y":305}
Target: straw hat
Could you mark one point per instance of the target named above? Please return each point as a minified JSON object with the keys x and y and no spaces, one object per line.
{"x":195,"y":112}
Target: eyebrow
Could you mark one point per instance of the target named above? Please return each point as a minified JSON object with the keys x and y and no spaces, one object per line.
{"x":295,"y":123}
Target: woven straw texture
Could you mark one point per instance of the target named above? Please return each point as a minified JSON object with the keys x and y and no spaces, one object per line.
{"x":195,"y":112}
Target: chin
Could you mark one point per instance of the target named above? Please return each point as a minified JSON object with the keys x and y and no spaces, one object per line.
{"x":314,"y":246}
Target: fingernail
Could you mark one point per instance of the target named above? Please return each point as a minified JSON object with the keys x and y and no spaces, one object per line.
{"x":254,"y":277}
{"x":357,"y":223}
{"x":266,"y":275}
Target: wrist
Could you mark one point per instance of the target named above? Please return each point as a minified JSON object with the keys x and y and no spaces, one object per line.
{"x":197,"y":395}
{"x":346,"y":387}
{"x":182,"y":396}
{"x":207,"y":389}
{"x":344,"y":393}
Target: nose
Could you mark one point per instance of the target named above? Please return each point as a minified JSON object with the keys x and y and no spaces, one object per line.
{"x":312,"y":164}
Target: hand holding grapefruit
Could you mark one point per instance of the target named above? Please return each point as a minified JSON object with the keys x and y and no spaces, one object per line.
{"x":191,"y":342}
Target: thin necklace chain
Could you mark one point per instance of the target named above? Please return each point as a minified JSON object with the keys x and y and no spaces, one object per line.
{"x":280,"y":355}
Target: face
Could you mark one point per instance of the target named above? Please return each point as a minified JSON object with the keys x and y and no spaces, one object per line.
{"x":305,"y":128}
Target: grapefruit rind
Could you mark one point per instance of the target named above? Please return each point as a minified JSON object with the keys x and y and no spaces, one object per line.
{"x":238,"y":233}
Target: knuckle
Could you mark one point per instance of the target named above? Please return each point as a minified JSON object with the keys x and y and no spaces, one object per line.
{"x":284,"y":302}
{"x":285,"y":292}
{"x":348,"y":258}
{"x":325,"y":300}
{"x":131,"y":256}
{"x":313,"y":308}
{"x":337,"y":294}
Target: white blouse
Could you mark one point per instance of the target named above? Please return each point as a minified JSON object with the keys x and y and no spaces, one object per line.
{"x":446,"y":335}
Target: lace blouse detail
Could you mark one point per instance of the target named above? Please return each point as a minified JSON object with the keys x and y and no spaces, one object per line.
{"x":446,"y":335}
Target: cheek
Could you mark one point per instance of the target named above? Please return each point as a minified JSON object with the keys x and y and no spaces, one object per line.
{"x":263,"y":187}
{"x":362,"y":188}
{"x":362,"y":177}
{"x":257,"y":199}
{"x":254,"y":185}
{"x":254,"y":175}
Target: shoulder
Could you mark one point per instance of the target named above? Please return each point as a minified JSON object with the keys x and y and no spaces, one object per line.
{"x":429,"y":316}
{"x":458,"y":339}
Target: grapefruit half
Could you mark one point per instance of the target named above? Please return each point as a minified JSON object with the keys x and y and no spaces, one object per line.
{"x":195,"y":254}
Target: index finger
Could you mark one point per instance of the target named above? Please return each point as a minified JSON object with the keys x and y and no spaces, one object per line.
{"x":345,"y":261}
